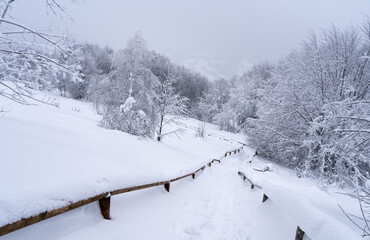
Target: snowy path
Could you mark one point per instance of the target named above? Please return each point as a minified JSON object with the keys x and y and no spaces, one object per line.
{"x":218,"y":212}
{"x":216,"y":205}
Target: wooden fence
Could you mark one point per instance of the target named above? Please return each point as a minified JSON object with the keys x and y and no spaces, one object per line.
{"x":104,"y":200}
{"x":299,"y":232}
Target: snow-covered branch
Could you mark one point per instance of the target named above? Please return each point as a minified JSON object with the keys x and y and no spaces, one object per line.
{"x":353,"y":130}
{"x":37,"y":33}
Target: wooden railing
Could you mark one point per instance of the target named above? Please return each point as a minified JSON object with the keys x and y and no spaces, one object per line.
{"x":104,"y":199}
{"x":299,"y":232}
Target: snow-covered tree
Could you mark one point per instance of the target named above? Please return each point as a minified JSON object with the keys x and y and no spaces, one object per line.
{"x":191,"y":85}
{"x":314,"y":111}
{"x":237,"y":100}
{"x":95,"y":61}
{"x":125,"y":96}
{"x":67,"y":81}
{"x":213,"y":100}
{"x":168,"y":102}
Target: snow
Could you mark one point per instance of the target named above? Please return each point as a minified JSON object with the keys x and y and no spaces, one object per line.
{"x":58,"y":155}
{"x":367,"y":184}
{"x":316,"y":224}
{"x":130,"y":101}
{"x":53,"y":156}
{"x":216,"y":205}
{"x":316,"y":212}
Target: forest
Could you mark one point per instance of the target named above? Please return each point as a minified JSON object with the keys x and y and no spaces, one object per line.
{"x":310,"y":111}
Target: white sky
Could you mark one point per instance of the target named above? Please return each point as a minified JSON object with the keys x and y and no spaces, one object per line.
{"x":217,"y":37}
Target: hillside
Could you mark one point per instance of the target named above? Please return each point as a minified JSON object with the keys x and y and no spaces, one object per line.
{"x":53,"y":156}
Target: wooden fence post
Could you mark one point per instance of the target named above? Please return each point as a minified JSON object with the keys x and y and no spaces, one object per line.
{"x":167,"y":186}
{"x":193,"y":175}
{"x":104,"y":204}
{"x":299,"y":234}
{"x":264,"y":198}
{"x":209,"y":164}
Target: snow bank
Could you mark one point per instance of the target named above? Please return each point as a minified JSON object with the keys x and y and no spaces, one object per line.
{"x":50,"y":157}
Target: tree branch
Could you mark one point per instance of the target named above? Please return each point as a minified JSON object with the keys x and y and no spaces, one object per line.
{"x":37,"y":55}
{"x":352,"y":130}
{"x":34,"y":32}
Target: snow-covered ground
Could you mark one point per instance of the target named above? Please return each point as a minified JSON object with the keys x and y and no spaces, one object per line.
{"x":53,"y":156}
{"x":50,"y":156}
{"x":315,"y":211}
{"x":216,"y":205}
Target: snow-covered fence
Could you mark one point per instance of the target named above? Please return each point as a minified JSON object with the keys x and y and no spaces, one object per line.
{"x":103,"y":198}
{"x":265,"y":197}
{"x":312,"y":223}
{"x":299,"y":232}
{"x":235,"y":151}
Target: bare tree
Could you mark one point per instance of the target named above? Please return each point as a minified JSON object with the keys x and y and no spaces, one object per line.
{"x":168,"y":103}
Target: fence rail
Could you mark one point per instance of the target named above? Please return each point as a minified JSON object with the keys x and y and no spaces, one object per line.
{"x":299,"y":232}
{"x":104,"y":199}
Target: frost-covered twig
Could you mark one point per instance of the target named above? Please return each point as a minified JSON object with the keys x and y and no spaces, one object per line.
{"x":353,"y":130}
{"x":20,"y":94}
{"x":175,"y":132}
{"x":362,"y":212}
{"x":36,"y":55}
{"x":37,"y":33}
{"x":3,"y":111}
{"x":362,"y":199}
{"x":354,"y":118}
{"x":363,"y":229}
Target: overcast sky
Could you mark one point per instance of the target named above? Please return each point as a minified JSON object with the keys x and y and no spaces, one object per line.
{"x":217,"y":37}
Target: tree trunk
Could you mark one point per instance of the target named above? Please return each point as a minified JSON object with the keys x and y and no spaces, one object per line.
{"x":160,"y":129}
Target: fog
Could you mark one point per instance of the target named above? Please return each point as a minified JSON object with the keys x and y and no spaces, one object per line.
{"x":218,"y":38}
